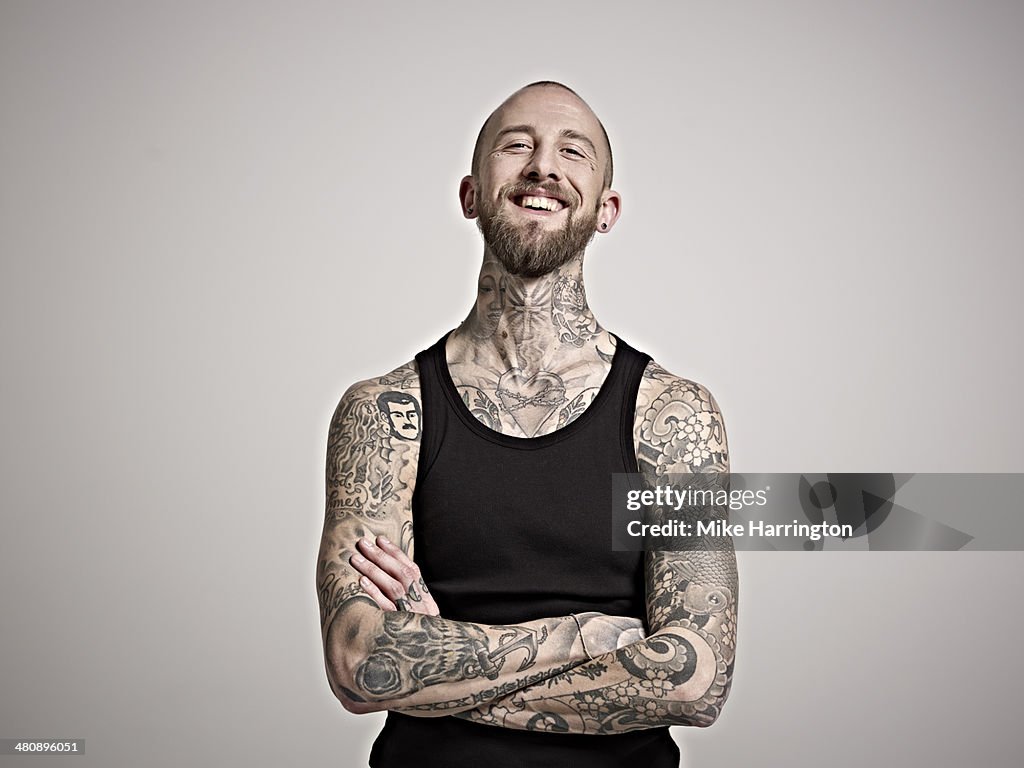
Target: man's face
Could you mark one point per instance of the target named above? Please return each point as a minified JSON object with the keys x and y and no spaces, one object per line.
{"x":405,"y":421}
{"x":541,"y":180}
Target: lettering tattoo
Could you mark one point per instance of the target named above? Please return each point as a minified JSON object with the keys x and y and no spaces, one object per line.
{"x":333,"y":591}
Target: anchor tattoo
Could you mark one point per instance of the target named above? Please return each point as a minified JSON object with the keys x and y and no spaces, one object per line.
{"x":515,"y":639}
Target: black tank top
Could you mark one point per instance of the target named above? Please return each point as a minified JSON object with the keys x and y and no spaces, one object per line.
{"x":510,"y":529}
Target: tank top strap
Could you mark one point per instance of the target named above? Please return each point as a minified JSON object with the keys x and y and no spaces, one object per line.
{"x":626,"y":388}
{"x":434,"y":404}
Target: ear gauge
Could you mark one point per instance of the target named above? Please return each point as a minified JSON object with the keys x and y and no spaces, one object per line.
{"x":469,"y":210}
{"x":604,"y":226}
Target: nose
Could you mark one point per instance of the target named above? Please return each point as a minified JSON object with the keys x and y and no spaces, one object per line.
{"x":543,"y":164}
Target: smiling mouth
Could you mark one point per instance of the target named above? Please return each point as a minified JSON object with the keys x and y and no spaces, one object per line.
{"x":538,"y":203}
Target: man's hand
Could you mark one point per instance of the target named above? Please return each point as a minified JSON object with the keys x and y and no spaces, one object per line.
{"x":390,"y":578}
{"x":603,"y":634}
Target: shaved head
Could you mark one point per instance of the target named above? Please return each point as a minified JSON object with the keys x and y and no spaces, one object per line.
{"x":478,"y":148}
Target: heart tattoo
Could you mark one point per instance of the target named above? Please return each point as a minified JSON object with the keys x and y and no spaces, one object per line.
{"x":530,"y":400}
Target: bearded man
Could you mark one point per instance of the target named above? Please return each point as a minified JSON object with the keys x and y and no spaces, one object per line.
{"x":515,"y":635}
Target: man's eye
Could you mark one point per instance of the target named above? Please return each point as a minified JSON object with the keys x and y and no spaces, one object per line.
{"x":519,"y":145}
{"x":574,"y":151}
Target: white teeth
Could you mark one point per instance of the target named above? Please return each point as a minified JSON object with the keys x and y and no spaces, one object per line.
{"x":542,"y":203}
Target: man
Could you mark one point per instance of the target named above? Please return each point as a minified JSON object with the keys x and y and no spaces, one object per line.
{"x":516,"y":636}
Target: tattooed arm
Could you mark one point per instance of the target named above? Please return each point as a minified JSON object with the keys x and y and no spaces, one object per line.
{"x":681,"y":673}
{"x":406,"y":659}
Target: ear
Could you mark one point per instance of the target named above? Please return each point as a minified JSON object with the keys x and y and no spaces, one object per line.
{"x":467,"y":197}
{"x":608,"y":213}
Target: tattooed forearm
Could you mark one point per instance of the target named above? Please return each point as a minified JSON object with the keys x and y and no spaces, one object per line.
{"x":429,"y":665}
{"x":464,"y":705}
{"x":602,"y":633}
{"x":333,"y":590}
{"x":398,"y":665}
{"x":678,"y":676}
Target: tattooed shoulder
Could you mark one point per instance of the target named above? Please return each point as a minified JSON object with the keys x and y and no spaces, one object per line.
{"x":403,"y":377}
{"x":678,"y":425}
{"x":373,"y":444}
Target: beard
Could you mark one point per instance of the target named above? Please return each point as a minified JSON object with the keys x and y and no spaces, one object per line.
{"x":526,"y":248}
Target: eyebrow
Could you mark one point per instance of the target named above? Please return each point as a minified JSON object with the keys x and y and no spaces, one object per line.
{"x":567,"y":133}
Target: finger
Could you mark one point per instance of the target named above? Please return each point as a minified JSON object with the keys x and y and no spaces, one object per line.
{"x":420,"y":597}
{"x":402,"y":572}
{"x":394,"y":550}
{"x":384,"y":560}
{"x":417,"y":594}
{"x":376,"y":595}
{"x":629,"y":637}
{"x":416,"y":588}
{"x":391,"y":588}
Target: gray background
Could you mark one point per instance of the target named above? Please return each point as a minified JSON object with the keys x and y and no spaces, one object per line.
{"x":216,"y":216}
